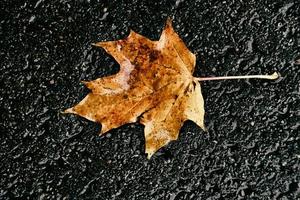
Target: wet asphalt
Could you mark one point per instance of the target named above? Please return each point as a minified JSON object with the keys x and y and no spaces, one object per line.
{"x":250,"y":151}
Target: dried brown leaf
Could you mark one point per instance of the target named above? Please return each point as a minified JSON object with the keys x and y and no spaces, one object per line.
{"x":154,"y":85}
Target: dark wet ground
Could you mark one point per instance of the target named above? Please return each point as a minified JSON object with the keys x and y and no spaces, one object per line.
{"x":251,"y":149}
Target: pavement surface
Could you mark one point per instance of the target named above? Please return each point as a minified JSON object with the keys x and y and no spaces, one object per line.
{"x":250,"y":151}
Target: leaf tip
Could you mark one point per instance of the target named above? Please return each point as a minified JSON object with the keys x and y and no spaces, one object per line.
{"x":69,"y":110}
{"x":62,"y":112}
{"x":85,"y":82}
{"x":97,"y":44}
{"x":131,"y":32}
{"x":169,"y":21}
{"x":149,"y":155}
{"x":149,"y":151}
{"x":168,"y":24}
{"x":104,"y":129}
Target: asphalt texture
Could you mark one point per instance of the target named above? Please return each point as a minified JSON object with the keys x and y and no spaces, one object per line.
{"x":250,"y":151}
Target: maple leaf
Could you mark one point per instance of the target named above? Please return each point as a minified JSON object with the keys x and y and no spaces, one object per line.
{"x":154,"y":86}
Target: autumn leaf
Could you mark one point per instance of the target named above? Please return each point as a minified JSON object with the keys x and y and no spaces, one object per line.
{"x":154,"y":86}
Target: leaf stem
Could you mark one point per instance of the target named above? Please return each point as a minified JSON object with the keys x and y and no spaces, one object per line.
{"x":271,"y":77}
